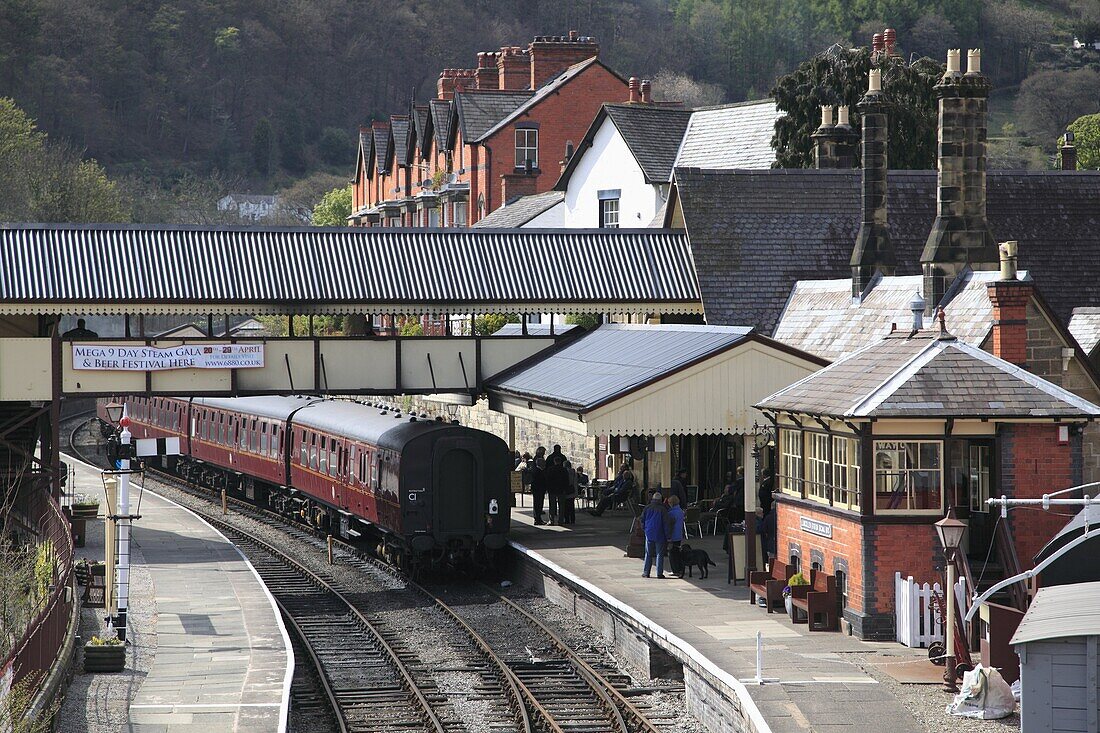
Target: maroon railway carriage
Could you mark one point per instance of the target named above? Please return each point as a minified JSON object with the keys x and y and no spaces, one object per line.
{"x":422,"y":487}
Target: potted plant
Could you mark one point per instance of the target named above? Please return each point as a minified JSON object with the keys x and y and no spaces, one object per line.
{"x":104,"y":654}
{"x":796,"y":579}
{"x":85,"y":507}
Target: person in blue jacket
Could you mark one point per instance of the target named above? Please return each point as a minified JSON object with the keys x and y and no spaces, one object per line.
{"x":675,"y":535}
{"x":655,"y":522}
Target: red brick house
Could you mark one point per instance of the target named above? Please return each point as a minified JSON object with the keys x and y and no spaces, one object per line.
{"x":492,"y":134}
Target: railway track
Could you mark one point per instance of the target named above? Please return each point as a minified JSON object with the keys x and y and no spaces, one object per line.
{"x":529,"y":678}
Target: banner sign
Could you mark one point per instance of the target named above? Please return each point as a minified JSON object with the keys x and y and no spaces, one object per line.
{"x":102,"y":357}
{"x":821,"y":529}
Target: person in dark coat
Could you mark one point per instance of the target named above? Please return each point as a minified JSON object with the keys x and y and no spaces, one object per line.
{"x":678,"y":486}
{"x":537,"y":467}
{"x":656,"y":523}
{"x":766,"y":529}
{"x":557,"y":482}
{"x":764,"y":493}
{"x":616,"y":492}
{"x":80,"y":332}
{"x":567,"y":504}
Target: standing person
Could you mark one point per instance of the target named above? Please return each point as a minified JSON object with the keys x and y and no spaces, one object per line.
{"x":537,"y":466}
{"x":568,"y":501}
{"x":736,"y":512}
{"x":765,"y":528}
{"x":557,"y":482}
{"x":655,"y":523}
{"x":678,"y":486}
{"x":767,"y":485}
{"x":675,"y":535}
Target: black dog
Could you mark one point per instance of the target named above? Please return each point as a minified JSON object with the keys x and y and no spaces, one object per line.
{"x":696,"y":559}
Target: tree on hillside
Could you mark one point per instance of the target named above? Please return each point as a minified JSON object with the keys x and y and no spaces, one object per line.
{"x":839,"y":77}
{"x":263,"y":140}
{"x":670,"y":86}
{"x":1050,"y":100}
{"x":292,"y":143}
{"x":336,"y":146}
{"x":334,"y":208}
{"x":1086,"y":138}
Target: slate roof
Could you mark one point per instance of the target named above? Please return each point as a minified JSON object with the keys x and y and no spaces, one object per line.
{"x":549,"y":88}
{"x":613,"y":360}
{"x":924,"y":376}
{"x":1084,"y":324}
{"x":1061,"y":611}
{"x":421,"y":114}
{"x":400,"y":126}
{"x":382,"y":148}
{"x":821,"y":317}
{"x":366,"y":152}
{"x":110,"y":268}
{"x":730,"y":136}
{"x":653,"y":135}
{"x":755,"y":233}
{"x":521,"y":211}
{"x":441,"y":110}
{"x":478,"y":111}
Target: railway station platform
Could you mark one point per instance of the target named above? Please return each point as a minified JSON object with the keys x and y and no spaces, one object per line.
{"x":208,"y":651}
{"x":819,"y":681}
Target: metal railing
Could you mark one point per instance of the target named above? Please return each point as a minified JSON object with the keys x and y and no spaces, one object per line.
{"x":35,"y":651}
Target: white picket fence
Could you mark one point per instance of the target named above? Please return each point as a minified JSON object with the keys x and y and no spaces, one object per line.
{"x":915,"y":617}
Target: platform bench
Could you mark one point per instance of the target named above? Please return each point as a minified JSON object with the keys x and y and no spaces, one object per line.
{"x":818,"y":600}
{"x":769,"y":585}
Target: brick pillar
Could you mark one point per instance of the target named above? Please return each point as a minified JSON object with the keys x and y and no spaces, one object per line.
{"x":514,"y":185}
{"x":1069,"y":153}
{"x":1010,"y":299}
{"x":513,"y":68}
{"x":873,"y":251}
{"x":960,"y":236}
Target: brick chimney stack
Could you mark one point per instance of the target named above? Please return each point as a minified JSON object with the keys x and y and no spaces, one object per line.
{"x":487,"y":75}
{"x":1069,"y":152}
{"x":551,"y":55}
{"x":646,"y":89}
{"x":454,"y":80}
{"x":1010,"y":298}
{"x":513,"y":68}
{"x":834,"y":144}
{"x":635,"y":93}
{"x":960,"y":237}
{"x":873,"y":251}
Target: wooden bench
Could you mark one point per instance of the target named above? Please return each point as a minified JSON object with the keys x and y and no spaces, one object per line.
{"x":818,"y":600}
{"x":769,"y":585}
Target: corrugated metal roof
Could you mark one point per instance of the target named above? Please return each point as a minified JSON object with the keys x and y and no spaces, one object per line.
{"x":533,"y":329}
{"x":305,"y":269}
{"x":614,"y":359}
{"x":1059,"y":612}
{"x":730,"y":136}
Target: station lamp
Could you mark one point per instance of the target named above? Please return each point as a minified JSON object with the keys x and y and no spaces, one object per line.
{"x":114,"y":412}
{"x":950,"y":531}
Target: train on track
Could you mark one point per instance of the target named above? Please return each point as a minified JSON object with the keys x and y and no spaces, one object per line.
{"x":425,"y":491}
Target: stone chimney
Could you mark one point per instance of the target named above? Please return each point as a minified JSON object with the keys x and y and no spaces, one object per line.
{"x":834,"y":144}
{"x":646,"y":89}
{"x":1069,"y":153}
{"x":513,"y":68}
{"x":551,"y":55}
{"x":487,"y":75}
{"x":873,"y":251}
{"x":635,"y":92}
{"x":1010,"y":298}
{"x":960,"y":237}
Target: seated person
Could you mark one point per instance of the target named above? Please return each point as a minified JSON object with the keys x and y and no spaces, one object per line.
{"x":617,"y":492}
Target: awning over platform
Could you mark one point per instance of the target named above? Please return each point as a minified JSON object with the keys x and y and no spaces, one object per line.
{"x":651,"y":380}
{"x":116,"y":269}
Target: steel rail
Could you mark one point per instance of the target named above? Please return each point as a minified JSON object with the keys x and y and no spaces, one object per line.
{"x":326,"y":686}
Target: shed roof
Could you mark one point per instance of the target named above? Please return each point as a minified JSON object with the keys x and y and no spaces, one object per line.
{"x":927,"y":375}
{"x":612,"y":360}
{"x":111,"y":268}
{"x":730,"y":136}
{"x":521,"y":211}
{"x":1059,"y":612}
{"x":479,"y":110}
{"x":754,"y":234}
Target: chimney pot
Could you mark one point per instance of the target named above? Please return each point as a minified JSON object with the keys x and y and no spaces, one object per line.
{"x":874,"y":81}
{"x":826,"y":115}
{"x":842,"y":116}
{"x":877,"y":44}
{"x":889,"y":40}
{"x":632,"y":85}
{"x":974,"y":61}
{"x":953,"y":60}
{"x":572,"y":35}
{"x":1069,"y":152}
{"x":916,"y":305}
{"x":1008,"y":259}
{"x":646,"y":91}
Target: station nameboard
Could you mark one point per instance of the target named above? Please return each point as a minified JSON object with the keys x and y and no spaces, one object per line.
{"x":813,"y":526}
{"x":104,"y":357}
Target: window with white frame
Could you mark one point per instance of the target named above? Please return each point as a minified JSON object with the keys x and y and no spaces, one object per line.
{"x":433,"y":216}
{"x":846,"y":472}
{"x":609,"y":213}
{"x":790,"y":445}
{"x":817,"y":466}
{"x":909,"y":476}
{"x":527,"y":147}
{"x":460,"y":213}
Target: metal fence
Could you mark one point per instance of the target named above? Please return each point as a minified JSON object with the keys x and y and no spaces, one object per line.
{"x":34,"y":653}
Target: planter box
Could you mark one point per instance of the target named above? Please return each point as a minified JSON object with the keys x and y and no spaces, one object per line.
{"x":104,"y":658}
{"x":85,"y":511}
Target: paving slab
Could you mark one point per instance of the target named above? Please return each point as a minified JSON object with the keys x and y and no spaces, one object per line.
{"x":824,"y":679}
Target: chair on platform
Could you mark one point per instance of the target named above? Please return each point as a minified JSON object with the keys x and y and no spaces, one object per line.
{"x":637,"y":510}
{"x":692,"y":518}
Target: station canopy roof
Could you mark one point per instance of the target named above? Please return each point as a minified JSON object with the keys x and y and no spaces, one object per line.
{"x":115,"y":269}
{"x":624,"y":379}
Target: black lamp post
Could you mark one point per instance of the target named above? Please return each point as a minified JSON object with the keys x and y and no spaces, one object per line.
{"x":950,"y":531}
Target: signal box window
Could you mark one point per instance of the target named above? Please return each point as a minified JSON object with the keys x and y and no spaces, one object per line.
{"x":527,"y":148}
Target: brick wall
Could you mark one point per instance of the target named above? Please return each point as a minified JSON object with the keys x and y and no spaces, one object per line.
{"x":1033,"y":463}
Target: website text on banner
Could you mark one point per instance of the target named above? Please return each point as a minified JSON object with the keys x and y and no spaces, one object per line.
{"x":101,"y":357}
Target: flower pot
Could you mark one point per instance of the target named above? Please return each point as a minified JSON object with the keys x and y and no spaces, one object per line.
{"x":104,"y":658}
